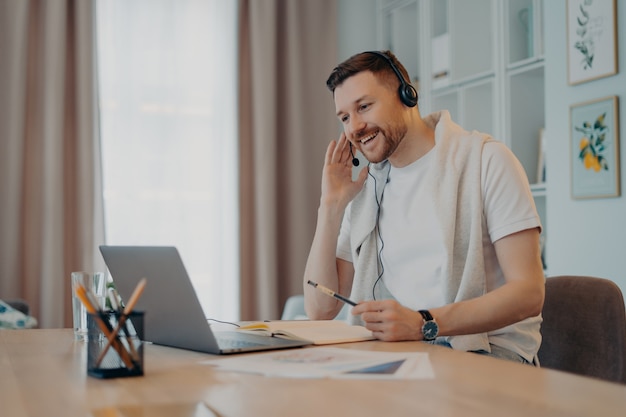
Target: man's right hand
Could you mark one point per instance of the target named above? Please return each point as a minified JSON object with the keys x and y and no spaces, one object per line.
{"x":338,"y":188}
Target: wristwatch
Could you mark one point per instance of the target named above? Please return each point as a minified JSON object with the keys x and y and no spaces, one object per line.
{"x":430,"y":328}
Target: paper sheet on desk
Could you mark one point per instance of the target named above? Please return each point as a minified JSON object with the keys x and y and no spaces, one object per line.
{"x":330,"y":362}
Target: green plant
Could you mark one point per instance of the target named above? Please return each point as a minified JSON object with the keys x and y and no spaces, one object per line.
{"x":585,"y":43}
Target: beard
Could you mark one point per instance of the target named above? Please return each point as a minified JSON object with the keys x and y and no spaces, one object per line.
{"x":392,"y":134}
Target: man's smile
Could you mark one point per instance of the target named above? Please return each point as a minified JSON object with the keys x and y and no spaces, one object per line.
{"x":369,"y":137}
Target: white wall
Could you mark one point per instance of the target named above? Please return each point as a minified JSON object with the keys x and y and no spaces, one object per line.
{"x":586,"y":237}
{"x":357,"y":29}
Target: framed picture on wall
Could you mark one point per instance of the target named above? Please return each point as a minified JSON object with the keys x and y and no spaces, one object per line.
{"x":594,"y":142}
{"x":591,"y":40}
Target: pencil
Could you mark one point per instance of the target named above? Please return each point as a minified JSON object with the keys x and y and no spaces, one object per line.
{"x":332,"y":293}
{"x":115,"y":305}
{"x":105,"y":327}
{"x":122,"y":320}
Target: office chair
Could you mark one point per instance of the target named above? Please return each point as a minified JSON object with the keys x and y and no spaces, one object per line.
{"x":294,"y":309}
{"x":584,"y":327}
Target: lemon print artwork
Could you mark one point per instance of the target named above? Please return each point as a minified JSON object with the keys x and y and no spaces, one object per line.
{"x":591,"y":145}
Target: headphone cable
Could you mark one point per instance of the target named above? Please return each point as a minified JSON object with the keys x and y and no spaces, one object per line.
{"x":380,"y":236}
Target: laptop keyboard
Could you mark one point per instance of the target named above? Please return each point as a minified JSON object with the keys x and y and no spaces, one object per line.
{"x":238,"y":343}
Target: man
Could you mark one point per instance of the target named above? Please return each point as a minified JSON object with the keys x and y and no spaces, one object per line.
{"x":438,"y":238}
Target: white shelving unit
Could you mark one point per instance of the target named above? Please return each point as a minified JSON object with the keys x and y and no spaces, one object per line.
{"x":483,"y":61}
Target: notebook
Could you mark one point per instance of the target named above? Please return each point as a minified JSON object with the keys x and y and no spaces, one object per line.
{"x":173,"y":314}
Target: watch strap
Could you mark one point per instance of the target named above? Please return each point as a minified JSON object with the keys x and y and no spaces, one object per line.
{"x":426,"y":315}
{"x":430,"y":328}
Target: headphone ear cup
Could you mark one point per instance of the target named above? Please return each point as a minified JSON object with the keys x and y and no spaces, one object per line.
{"x":408,"y":94}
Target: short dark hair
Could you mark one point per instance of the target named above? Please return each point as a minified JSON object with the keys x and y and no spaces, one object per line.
{"x":368,"y":61}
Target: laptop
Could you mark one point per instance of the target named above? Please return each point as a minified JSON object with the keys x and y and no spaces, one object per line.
{"x":173,"y":314}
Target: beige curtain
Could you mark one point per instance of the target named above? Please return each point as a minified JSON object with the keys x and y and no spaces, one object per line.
{"x":50,"y":209}
{"x":287,"y":50}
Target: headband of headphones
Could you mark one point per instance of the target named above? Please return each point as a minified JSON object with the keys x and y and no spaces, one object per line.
{"x":408,"y":94}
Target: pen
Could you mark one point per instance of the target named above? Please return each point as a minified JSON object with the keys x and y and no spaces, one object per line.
{"x":330,"y":292}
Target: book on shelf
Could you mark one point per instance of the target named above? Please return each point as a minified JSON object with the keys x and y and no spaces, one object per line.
{"x":541,"y":158}
{"x":318,"y":332}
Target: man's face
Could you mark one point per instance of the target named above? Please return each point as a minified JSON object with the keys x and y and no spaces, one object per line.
{"x":371,"y":115}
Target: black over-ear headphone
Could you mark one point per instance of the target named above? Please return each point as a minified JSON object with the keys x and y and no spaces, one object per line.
{"x":408,"y":94}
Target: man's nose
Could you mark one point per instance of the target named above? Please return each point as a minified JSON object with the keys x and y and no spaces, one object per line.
{"x":355,"y":126}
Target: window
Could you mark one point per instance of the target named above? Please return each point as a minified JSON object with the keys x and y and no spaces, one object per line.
{"x":167,"y":85}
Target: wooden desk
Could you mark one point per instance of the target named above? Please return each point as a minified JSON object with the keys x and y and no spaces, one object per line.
{"x":43,"y":373}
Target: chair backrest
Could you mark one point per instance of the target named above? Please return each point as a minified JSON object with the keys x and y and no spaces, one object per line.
{"x":294,"y":309}
{"x":584,"y":327}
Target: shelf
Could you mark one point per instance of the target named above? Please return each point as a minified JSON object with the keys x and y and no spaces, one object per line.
{"x":526,"y":117}
{"x":492,"y":53}
{"x":474,"y":79}
{"x":538,"y":190}
{"x":479,"y":117}
{"x":400,"y":28}
{"x":472,"y":38}
{"x":529,"y":62}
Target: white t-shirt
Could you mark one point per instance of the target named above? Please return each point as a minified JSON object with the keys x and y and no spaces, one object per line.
{"x":411,"y":244}
{"x":412,"y":252}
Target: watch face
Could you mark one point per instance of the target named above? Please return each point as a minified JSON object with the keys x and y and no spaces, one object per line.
{"x":430,"y":330}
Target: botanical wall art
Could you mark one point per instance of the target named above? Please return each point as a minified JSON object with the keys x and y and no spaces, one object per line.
{"x":591,"y":39}
{"x":594,"y":142}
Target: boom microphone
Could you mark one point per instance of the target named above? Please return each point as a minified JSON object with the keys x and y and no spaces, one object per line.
{"x":355,"y":160}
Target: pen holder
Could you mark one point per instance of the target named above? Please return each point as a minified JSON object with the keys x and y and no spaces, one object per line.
{"x":114,"y":345}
